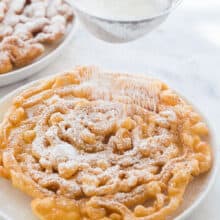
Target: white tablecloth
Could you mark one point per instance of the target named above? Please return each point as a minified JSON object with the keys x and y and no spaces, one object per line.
{"x":184,"y":52}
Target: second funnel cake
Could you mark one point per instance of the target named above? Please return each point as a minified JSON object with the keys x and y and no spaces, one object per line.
{"x":88,"y":145}
{"x":27,"y":27}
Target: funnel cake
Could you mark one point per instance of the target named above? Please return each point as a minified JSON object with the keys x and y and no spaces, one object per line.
{"x":88,"y":145}
{"x":32,"y":24}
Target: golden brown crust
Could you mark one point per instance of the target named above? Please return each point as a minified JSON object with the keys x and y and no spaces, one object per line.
{"x":5,"y":63}
{"x":20,"y":52}
{"x":56,"y":208}
{"x":88,"y":145}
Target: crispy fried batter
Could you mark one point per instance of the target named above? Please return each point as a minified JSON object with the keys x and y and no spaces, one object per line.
{"x":95,"y":146}
{"x":5,"y":63}
{"x":21,"y":52}
{"x":53,"y":32}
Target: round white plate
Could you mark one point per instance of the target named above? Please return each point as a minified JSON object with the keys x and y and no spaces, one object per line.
{"x":48,"y":57}
{"x":16,"y":205}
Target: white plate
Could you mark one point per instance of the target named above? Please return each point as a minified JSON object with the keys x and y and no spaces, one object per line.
{"x":16,"y":205}
{"x":48,"y":57}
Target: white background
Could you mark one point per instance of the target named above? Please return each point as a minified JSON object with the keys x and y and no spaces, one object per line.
{"x":184,"y":52}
